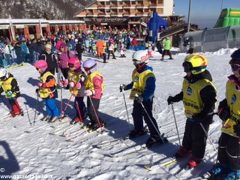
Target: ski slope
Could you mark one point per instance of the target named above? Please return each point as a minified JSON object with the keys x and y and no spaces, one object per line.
{"x":35,"y":149}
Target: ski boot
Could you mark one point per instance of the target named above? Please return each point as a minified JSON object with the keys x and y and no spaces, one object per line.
{"x":53,"y":119}
{"x":156,"y":140}
{"x":233,"y":175}
{"x":193,"y":162}
{"x":46,"y":118}
{"x":94,"y":126}
{"x":136,"y":133}
{"x":217,"y":171}
{"x":75,"y":120}
{"x":16,"y":113}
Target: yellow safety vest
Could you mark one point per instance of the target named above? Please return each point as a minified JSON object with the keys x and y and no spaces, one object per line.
{"x":45,"y":92}
{"x":74,"y":77}
{"x":233,"y":101}
{"x":191,"y":96}
{"x":139,"y":82}
{"x":89,"y":82}
{"x":6,"y":85}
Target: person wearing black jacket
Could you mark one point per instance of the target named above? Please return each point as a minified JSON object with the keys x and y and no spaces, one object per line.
{"x":79,"y":49}
{"x":50,"y":58}
{"x":199,"y":96}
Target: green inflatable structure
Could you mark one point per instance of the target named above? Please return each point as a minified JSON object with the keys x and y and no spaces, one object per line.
{"x":229,"y":17}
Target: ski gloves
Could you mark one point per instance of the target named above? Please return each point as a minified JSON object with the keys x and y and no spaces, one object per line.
{"x":65,"y":83}
{"x":223,"y":110}
{"x":9,"y":94}
{"x":139,"y":98}
{"x":88,"y":93}
{"x":122,"y":87}
{"x":170,"y":100}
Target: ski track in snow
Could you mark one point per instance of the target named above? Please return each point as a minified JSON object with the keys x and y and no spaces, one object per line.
{"x":67,"y":151}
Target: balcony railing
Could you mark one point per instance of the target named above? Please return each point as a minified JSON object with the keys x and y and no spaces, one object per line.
{"x":100,"y":5}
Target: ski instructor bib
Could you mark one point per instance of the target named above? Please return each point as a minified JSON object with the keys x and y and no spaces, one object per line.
{"x":233,"y":101}
{"x":139,"y":82}
{"x":191,"y":96}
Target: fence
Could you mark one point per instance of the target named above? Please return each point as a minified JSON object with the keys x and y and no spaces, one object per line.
{"x":209,"y":40}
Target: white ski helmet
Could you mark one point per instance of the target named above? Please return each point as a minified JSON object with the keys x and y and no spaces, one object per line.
{"x":140,"y":57}
{"x":90,"y":64}
{"x":3,"y":72}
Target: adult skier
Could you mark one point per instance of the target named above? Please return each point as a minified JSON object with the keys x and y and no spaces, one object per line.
{"x":142,"y":93}
{"x":199,"y":96}
{"x":228,"y":110}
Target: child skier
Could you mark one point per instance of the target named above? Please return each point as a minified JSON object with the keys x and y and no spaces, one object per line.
{"x":228,"y":111}
{"x":199,"y":96}
{"x":122,"y":50}
{"x":143,"y":85}
{"x":9,"y":85}
{"x":75,"y":82}
{"x":94,"y":92}
{"x":47,"y":90}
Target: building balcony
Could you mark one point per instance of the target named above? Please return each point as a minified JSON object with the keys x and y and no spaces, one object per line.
{"x":89,"y":14}
{"x":139,"y":14}
{"x":152,"y":5}
{"x":139,"y":6}
{"x":101,"y":14}
{"x":126,"y":14}
{"x":100,"y":6}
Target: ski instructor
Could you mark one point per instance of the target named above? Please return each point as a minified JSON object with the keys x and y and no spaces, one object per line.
{"x":199,"y":96}
{"x":142,"y":93}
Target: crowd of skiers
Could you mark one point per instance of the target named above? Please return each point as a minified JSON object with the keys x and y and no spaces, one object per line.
{"x":198,"y":95}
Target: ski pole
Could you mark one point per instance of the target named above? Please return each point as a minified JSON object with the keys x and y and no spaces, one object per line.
{"x":206,"y":134}
{"x":150,"y":120}
{"x":35,"y":112}
{"x":95,"y":112}
{"x":79,"y":112}
{"x":28,"y":115}
{"x":67,"y":104}
{"x":175,"y":121}
{"x":124,"y":98}
{"x":61,"y":96}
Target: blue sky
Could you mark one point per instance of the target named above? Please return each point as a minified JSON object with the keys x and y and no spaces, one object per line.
{"x":204,"y":12}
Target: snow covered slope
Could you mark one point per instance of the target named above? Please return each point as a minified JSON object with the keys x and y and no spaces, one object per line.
{"x":63,"y":151}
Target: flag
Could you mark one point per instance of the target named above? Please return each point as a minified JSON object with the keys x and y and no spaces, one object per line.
{"x":154,"y":24}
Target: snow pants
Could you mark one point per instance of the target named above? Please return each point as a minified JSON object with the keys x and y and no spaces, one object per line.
{"x":229,"y":151}
{"x":15,"y":107}
{"x":92,"y":109}
{"x":80,"y":108}
{"x":52,"y":109}
{"x":195,"y":138}
{"x":139,"y":114}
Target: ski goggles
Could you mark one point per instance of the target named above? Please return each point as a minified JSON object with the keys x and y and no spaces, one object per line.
{"x":235,"y":67}
{"x":187,"y":67}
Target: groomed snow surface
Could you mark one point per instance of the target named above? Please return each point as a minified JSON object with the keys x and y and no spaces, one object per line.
{"x":34,"y":149}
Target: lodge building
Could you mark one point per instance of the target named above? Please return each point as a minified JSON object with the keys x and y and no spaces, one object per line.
{"x":124,"y":13}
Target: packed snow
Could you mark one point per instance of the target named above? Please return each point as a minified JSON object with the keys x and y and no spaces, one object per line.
{"x":31,"y":149}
